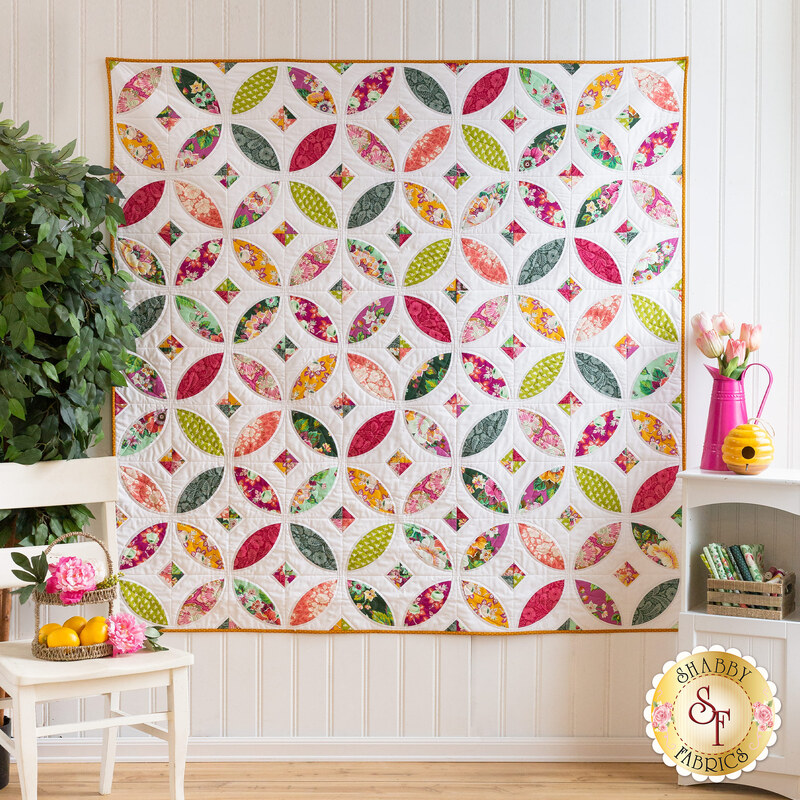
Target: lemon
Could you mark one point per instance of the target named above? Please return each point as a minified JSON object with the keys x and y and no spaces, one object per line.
{"x":63,"y":637}
{"x":46,"y":630}
{"x":95,"y":632}
{"x":76,"y":623}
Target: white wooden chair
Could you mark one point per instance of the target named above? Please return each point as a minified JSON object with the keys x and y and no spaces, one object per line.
{"x":29,"y":680}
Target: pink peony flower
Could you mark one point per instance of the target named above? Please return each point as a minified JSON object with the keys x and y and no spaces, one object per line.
{"x":125,"y":633}
{"x":72,"y":577}
{"x":763,"y":715}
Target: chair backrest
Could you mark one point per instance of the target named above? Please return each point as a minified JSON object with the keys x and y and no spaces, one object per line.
{"x":90,"y":481}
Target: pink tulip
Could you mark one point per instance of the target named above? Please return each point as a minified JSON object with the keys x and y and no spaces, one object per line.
{"x":722,"y":323}
{"x":751,"y":336}
{"x":736,"y":348}
{"x":710,"y":344}
{"x":701,"y":323}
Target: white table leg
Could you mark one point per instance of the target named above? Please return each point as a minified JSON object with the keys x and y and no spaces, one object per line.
{"x":109,"y":753}
{"x":178,"y":704}
{"x":24,"y":730}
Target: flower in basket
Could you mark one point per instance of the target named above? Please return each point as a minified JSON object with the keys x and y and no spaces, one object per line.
{"x":71,"y":577}
{"x":125,"y":633}
{"x":731,"y":355}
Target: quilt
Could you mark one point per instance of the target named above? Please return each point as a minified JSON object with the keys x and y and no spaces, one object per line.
{"x":411,"y":339}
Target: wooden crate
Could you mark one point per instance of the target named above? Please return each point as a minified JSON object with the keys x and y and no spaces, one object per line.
{"x":776,"y":599}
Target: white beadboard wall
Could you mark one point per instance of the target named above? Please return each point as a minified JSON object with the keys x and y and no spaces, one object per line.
{"x":522,"y":697}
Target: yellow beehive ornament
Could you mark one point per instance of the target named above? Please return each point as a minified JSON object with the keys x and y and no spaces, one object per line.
{"x":748,"y":449}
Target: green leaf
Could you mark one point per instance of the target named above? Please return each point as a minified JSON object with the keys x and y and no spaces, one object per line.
{"x":49,"y":370}
{"x":16,"y":408}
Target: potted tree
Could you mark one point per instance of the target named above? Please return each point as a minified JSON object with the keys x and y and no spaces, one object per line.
{"x":64,"y":326}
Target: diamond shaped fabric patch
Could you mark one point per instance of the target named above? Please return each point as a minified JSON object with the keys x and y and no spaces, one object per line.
{"x":286,"y":462}
{"x":168,"y":117}
{"x":229,"y":518}
{"x":399,"y":233}
{"x":513,"y":576}
{"x":513,"y":233}
{"x":626,"y":232}
{"x":284,"y":233}
{"x":456,"y":176}
{"x":285,"y":348}
{"x":171,"y":347}
{"x":569,"y":403}
{"x":341,"y":176}
{"x":227,"y":175}
{"x":628,"y":117}
{"x":228,"y":405}
{"x":170,"y":233}
{"x":626,"y":461}
{"x":283,"y":118}
{"x":398,"y":119}
{"x":172,"y":461}
{"x":399,"y":347}
{"x":513,"y":119}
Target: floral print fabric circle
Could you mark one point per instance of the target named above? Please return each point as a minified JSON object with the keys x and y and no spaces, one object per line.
{"x":408,"y":356}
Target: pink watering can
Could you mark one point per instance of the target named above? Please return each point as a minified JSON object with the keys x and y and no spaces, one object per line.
{"x":726,"y":410}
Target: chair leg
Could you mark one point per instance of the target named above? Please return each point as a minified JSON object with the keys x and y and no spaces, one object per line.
{"x":178,"y":704}
{"x":24,"y":730}
{"x":110,"y":703}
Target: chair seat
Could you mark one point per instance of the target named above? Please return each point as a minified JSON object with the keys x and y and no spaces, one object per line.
{"x":19,"y":667}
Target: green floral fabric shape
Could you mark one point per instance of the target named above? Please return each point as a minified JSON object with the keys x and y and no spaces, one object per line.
{"x":370,"y":205}
{"x":370,"y":603}
{"x":313,"y":491}
{"x":541,"y":261}
{"x":256,"y":601}
{"x":370,"y":547}
{"x":427,"y":90}
{"x":484,"y":490}
{"x":428,"y":376}
{"x":541,"y":375}
{"x":654,"y":375}
{"x":427,"y":262}
{"x":143,"y":603}
{"x":598,"y":204}
{"x":485,"y":147}
{"x":597,"y":374}
{"x":484,"y":433}
{"x":313,"y":547}
{"x":255,"y":147}
{"x":655,"y":602}
{"x":314,"y":434}
{"x":147,"y":313}
{"x":200,"y":489}
{"x":195,"y":90}
{"x":313,"y":204}
{"x":199,"y":318}
{"x":598,"y":489}
{"x":254,"y":90}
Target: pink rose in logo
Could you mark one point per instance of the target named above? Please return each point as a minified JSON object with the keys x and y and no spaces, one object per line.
{"x":662,"y":715}
{"x":763,"y":715}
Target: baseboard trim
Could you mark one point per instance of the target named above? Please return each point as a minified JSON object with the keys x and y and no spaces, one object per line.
{"x":362,"y":749}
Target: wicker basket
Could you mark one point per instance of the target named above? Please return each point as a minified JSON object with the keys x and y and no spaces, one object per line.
{"x":108,"y":595}
{"x":751,"y":598}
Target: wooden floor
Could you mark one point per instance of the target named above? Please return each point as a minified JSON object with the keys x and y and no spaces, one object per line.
{"x":382,"y":781}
